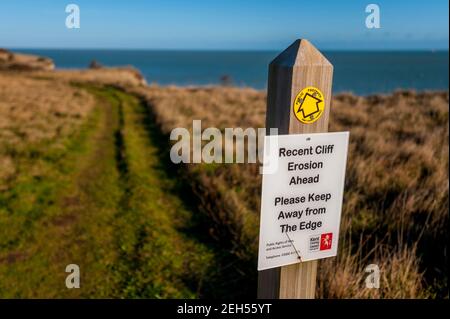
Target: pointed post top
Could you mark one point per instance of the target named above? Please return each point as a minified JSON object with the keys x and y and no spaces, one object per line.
{"x":300,"y":53}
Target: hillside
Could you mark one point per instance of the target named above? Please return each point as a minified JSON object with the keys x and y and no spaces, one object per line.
{"x":24,"y":62}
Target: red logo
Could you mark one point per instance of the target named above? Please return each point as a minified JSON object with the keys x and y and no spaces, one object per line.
{"x":325,"y":241}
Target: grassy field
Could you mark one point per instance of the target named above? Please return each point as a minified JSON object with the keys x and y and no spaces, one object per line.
{"x":101,"y":200}
{"x":396,"y":191}
{"x":85,"y":178}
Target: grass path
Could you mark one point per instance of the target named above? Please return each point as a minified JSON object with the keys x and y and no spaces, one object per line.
{"x":115,"y":212}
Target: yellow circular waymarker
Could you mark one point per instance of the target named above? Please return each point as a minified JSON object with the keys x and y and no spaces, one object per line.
{"x":309,"y":105}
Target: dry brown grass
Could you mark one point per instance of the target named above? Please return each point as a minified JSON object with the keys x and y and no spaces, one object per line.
{"x":41,"y":106}
{"x":123,"y":76}
{"x":396,"y":199}
{"x":400,"y":274}
{"x":35,"y":112}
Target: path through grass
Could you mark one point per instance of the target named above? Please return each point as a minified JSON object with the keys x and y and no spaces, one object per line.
{"x":110,"y":206}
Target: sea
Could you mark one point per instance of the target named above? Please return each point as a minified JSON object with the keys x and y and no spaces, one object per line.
{"x":360,"y":72}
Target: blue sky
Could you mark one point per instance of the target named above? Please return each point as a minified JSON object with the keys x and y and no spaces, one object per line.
{"x":221,"y":24}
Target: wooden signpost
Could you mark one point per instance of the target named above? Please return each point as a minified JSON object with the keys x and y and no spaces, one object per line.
{"x":300,"y":66}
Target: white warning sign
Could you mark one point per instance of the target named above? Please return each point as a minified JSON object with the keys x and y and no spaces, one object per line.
{"x":301,"y":198}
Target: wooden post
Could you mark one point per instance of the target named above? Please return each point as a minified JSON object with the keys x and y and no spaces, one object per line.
{"x":299,"y":66}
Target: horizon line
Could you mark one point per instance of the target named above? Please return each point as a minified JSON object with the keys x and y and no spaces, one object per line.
{"x":229,"y":49}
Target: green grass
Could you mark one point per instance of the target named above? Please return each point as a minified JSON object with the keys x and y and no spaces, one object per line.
{"x":44,"y":173}
{"x":156,"y":258}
